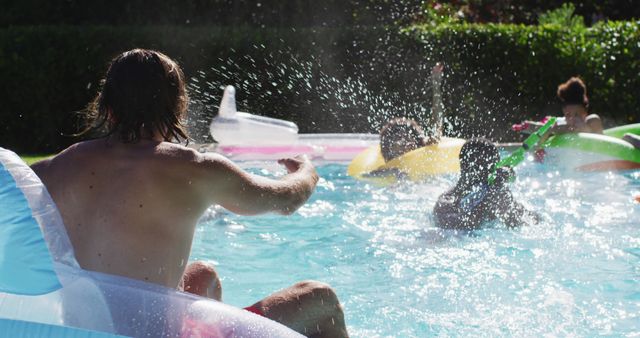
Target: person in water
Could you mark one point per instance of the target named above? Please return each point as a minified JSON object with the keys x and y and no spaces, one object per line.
{"x":575,"y":107}
{"x":401,"y":135}
{"x":473,"y":201}
{"x":130,"y":200}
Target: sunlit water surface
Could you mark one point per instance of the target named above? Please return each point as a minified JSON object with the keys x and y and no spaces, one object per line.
{"x":397,"y":275}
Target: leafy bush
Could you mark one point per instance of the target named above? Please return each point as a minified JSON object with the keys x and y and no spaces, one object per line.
{"x":326,"y":80}
{"x":52,"y":72}
{"x":529,"y":11}
{"x":500,"y":74}
{"x":563,"y":16}
{"x":263,"y":13}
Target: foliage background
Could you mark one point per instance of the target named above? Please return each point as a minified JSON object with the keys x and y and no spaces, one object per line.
{"x":331,"y":66}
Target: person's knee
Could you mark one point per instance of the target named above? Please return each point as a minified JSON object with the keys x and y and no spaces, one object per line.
{"x":202,"y":271}
{"x":309,"y":307}
{"x":318,"y":291}
{"x":313,"y":286}
{"x":320,"y":303}
{"x":201,"y":278}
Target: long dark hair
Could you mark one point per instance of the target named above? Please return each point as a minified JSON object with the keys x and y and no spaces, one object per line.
{"x":143,"y":93}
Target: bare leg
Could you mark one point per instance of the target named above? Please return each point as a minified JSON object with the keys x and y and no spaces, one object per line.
{"x":201,"y":279}
{"x":310,"y":308}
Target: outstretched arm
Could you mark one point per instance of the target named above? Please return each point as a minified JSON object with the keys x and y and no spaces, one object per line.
{"x":437,"y":108}
{"x":592,"y":124}
{"x":228,"y":185}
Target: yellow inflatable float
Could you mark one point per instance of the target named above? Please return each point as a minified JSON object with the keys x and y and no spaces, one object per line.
{"x":416,"y":165}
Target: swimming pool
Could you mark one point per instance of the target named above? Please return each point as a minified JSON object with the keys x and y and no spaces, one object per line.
{"x":397,"y":275}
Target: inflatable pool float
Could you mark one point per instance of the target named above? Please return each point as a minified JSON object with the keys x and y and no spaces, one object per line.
{"x":247,"y":137}
{"x":441,"y":158}
{"x":320,"y":148}
{"x":594,"y":152}
{"x":45,"y":293}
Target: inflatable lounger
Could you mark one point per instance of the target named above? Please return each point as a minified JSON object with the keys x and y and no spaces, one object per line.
{"x":594,"y":152}
{"x":44,"y":292}
{"x":320,"y":148}
{"x":247,"y":137}
{"x":441,"y":158}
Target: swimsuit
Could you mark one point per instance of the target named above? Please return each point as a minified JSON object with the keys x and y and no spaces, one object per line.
{"x":255,"y":310}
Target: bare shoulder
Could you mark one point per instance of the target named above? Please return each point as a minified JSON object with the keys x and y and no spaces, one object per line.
{"x":42,"y":167}
{"x":592,"y":117}
{"x":170,"y":151}
{"x":207,"y":166}
{"x":595,"y":123}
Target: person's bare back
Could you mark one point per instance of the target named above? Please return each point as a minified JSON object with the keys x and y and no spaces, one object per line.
{"x":131,"y":209}
{"x":128,"y":209}
{"x":130,"y":200}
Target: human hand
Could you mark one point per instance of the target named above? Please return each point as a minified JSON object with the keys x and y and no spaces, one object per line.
{"x":436,"y":74}
{"x":294,"y":164}
{"x":520,"y":127}
{"x":504,"y":175}
{"x":527,"y":127}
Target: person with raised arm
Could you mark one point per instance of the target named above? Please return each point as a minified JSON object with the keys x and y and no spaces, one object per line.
{"x":402,"y":135}
{"x":436,"y":119}
{"x":130,"y":200}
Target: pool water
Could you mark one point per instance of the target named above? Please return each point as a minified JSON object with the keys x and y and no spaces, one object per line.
{"x":575,"y":274}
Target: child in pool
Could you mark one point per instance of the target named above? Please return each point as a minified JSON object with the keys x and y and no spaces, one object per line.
{"x":473,"y":201}
{"x":575,"y":104}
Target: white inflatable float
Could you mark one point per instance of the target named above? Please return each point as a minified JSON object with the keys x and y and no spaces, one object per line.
{"x":243,"y":136}
{"x":44,"y":292}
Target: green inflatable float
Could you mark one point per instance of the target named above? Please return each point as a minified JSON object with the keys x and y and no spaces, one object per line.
{"x":595,"y":152}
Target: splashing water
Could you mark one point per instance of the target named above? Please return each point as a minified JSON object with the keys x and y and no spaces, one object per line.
{"x":314,"y":93}
{"x":576,"y":273}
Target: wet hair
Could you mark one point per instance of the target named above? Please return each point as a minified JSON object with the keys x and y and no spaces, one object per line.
{"x":574,"y":91}
{"x":396,"y":130}
{"x":143,"y":93}
{"x":478,"y":156}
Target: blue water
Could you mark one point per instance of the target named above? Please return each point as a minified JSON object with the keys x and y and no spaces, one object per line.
{"x":575,"y":274}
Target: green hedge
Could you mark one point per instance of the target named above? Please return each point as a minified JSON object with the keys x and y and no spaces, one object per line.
{"x":263,"y":13}
{"x":512,"y":71}
{"x":326,"y":80}
{"x":51,"y":72}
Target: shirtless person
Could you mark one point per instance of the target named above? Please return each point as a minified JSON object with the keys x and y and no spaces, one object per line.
{"x":131,"y":200}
